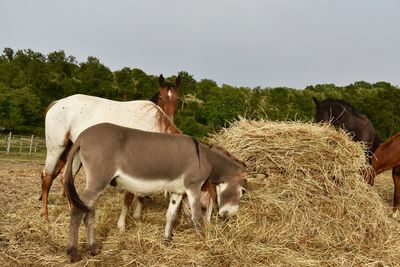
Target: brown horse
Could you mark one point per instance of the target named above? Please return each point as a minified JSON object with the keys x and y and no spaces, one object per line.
{"x":387,"y":157}
{"x":68,"y":117}
{"x":144,"y":163}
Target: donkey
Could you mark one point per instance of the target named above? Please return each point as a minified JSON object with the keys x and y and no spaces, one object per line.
{"x":342,"y":114}
{"x":68,"y":117}
{"x":145,"y":162}
{"x":387,"y":157}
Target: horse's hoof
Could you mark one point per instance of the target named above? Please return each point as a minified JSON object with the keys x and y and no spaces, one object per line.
{"x":45,"y":216}
{"x":121,"y":226}
{"x":395,"y":216}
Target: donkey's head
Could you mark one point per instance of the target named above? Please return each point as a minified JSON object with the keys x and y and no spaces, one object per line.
{"x":229,"y":194}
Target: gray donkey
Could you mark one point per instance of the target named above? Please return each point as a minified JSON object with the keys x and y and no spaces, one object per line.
{"x":143,"y":163}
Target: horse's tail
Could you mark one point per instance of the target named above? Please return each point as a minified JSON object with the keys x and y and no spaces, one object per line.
{"x":70,"y":189}
{"x":50,"y":106}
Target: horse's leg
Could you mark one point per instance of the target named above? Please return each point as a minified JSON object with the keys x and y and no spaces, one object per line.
{"x":174,"y":203}
{"x":128,"y":198}
{"x":55,"y":161}
{"x":49,"y":173}
{"x":209,"y":209}
{"x":396,"y":194}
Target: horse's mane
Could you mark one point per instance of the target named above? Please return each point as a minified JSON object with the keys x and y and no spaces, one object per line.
{"x":155,"y":98}
{"x":345,"y":104}
{"x":50,"y":105}
{"x":165,"y":121}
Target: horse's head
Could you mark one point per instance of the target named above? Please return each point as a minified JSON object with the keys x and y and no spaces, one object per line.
{"x":329,"y":110}
{"x":168,"y":96}
{"x":321,"y":113}
{"x":229,"y":194}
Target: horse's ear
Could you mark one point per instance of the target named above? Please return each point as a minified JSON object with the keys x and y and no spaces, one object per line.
{"x":315,"y":101}
{"x":161,"y":80}
{"x":178,"y":81}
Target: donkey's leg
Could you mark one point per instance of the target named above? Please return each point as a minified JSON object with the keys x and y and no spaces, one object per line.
{"x":174,"y":203}
{"x":91,"y":239}
{"x":186,"y":210}
{"x":128,"y":198}
{"x":137,"y":212}
{"x":89,"y":197}
{"x":195,"y":205}
{"x":75,"y":222}
{"x":396,"y":194}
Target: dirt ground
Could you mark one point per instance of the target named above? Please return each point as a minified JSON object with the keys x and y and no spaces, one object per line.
{"x":26,"y":240}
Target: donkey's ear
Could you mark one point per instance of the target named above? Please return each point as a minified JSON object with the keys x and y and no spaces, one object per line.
{"x":315,"y":101}
{"x":243,"y":184}
{"x":161,"y":80}
{"x":178,"y":81}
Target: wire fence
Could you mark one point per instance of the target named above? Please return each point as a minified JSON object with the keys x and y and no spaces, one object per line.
{"x":22,"y":144}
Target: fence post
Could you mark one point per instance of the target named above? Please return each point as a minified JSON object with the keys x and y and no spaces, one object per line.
{"x":36,"y":143}
{"x":30,"y":145}
{"x":20,"y":145}
{"x":9,"y":143}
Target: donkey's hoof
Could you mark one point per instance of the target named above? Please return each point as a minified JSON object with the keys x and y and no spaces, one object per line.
{"x":168,"y":241}
{"x":74,"y":255}
{"x":94,"y":249}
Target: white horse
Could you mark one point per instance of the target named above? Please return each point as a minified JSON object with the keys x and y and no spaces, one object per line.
{"x":68,"y":117}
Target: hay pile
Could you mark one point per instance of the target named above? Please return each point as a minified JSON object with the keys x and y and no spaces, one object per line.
{"x":313,"y":208}
{"x":294,"y":215}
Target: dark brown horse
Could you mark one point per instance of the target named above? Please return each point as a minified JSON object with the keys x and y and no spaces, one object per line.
{"x":343,"y":115}
{"x":387,"y":157}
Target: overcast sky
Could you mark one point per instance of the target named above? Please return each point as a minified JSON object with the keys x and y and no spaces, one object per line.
{"x":265,"y":43}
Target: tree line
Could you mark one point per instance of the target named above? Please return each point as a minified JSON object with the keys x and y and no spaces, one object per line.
{"x":30,"y":81}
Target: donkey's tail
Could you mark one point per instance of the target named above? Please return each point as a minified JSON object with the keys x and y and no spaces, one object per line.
{"x":70,"y":189}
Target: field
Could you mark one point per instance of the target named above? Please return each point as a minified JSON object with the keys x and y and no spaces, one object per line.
{"x":258,"y":236}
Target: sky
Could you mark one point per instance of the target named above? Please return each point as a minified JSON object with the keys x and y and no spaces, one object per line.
{"x":267,"y":43}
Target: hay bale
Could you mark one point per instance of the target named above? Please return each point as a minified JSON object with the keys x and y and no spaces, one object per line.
{"x":313,"y":207}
